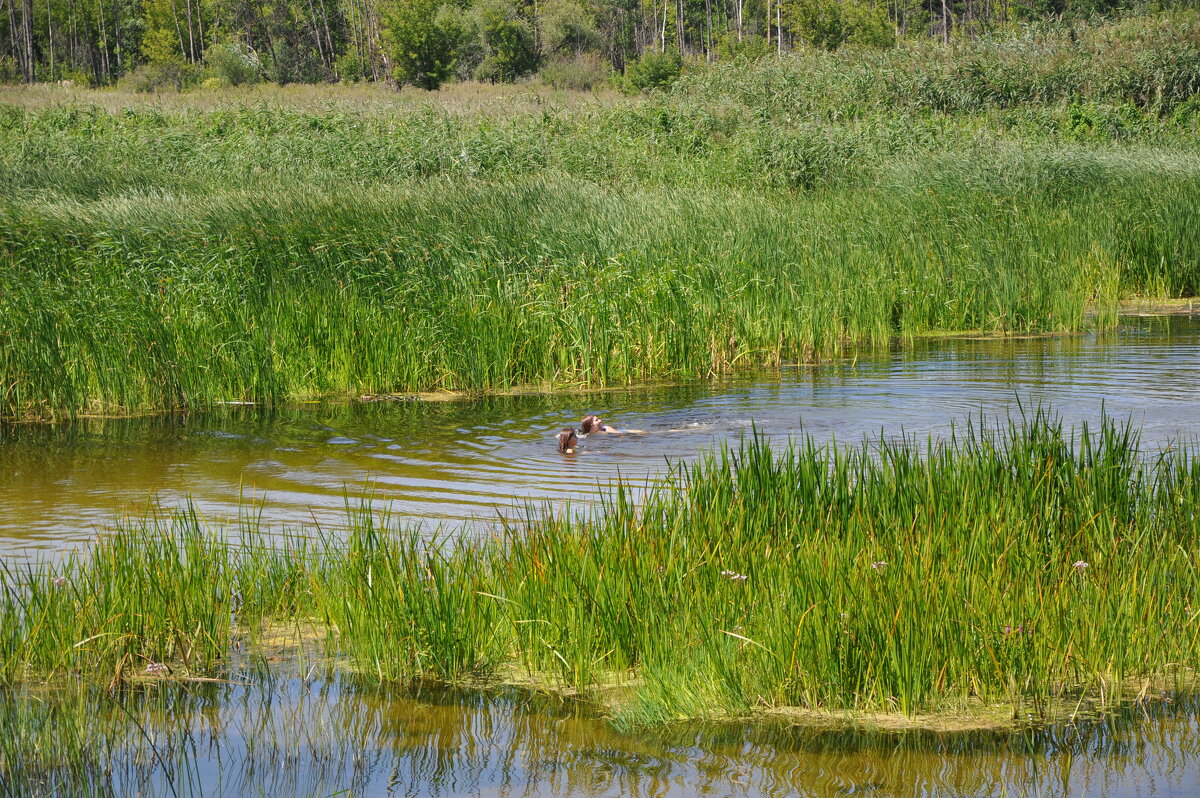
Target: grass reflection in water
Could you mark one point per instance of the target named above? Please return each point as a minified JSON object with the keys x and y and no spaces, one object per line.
{"x":333,"y":736}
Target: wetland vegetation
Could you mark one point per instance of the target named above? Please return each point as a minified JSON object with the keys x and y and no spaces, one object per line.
{"x":285,"y":245}
{"x":1013,"y":572}
{"x":274,"y":244}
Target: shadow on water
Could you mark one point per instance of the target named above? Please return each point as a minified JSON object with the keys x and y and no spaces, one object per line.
{"x":328,"y":736}
{"x":462,"y":464}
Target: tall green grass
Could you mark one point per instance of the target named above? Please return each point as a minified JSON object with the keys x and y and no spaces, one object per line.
{"x":1020,"y":564}
{"x":785,"y":210}
{"x":156,"y":301}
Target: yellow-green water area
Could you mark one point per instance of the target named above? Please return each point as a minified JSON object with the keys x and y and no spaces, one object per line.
{"x":463,"y":464}
{"x":283,"y":720}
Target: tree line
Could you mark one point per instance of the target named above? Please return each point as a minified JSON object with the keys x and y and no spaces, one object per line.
{"x":153,"y":43}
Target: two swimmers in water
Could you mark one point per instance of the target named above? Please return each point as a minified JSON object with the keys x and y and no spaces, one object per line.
{"x":589,"y":425}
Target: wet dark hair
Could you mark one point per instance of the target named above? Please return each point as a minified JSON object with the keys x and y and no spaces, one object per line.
{"x":567,"y":439}
{"x":588,"y":424}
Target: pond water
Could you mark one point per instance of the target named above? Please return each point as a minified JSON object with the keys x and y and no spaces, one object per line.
{"x":461,"y":464}
{"x":323,"y":737}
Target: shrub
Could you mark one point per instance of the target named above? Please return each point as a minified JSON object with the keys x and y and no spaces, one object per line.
{"x":568,"y":28}
{"x":10,"y":71}
{"x":423,"y":39}
{"x":350,"y":68}
{"x":232,"y":63}
{"x":749,"y":48}
{"x":74,"y":76}
{"x":1106,"y":122}
{"x":832,"y":23}
{"x":509,"y":45}
{"x":293,"y":62}
{"x":160,"y":76}
{"x":653,"y":71}
{"x":1187,"y":114}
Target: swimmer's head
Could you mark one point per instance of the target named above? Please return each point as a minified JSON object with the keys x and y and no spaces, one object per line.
{"x":591,"y":424}
{"x":567,"y":441}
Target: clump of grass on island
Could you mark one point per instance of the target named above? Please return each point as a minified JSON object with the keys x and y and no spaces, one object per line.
{"x":1019,"y":564}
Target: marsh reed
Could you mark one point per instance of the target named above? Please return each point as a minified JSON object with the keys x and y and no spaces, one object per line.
{"x":283,"y":244}
{"x":1017,"y":564}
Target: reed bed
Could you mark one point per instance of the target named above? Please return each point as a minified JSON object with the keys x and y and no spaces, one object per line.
{"x":290,"y":244}
{"x":1018,"y":564}
{"x":156,"y":301}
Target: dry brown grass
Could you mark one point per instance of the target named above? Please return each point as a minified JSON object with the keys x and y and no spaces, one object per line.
{"x":467,"y":98}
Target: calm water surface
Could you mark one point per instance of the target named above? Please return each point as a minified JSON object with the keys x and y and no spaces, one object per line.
{"x":450,"y":463}
{"x":322,"y":738}
{"x":462,"y":464}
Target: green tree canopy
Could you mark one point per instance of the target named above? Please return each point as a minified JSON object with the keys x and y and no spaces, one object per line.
{"x":832,"y":23}
{"x":510,"y":46}
{"x":422,"y":39}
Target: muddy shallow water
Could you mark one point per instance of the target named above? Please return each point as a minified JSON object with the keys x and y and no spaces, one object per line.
{"x":466,"y":462}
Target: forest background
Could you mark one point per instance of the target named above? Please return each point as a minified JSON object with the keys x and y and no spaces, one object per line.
{"x":154,"y":45}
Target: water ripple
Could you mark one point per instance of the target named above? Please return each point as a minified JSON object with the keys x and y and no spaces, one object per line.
{"x":471,"y":462}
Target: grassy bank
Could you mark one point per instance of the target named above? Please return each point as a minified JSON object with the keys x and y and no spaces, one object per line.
{"x":156,"y":300}
{"x":287,"y":244}
{"x":1022,"y":565}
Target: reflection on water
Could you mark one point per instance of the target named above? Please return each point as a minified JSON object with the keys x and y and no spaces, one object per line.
{"x":326,"y":738}
{"x":449,"y":462}
{"x":467,"y":461}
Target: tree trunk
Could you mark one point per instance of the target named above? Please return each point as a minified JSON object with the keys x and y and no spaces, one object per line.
{"x":779,"y":27}
{"x":663,"y":35}
{"x":50,"y":36}
{"x":116,"y":31}
{"x":178,"y":28}
{"x":102,"y":29}
{"x":708,"y":30}
{"x":679,"y":16}
{"x":17,"y":51}
{"x":191,"y":37}
{"x":27,"y":26}
{"x":315,"y":31}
